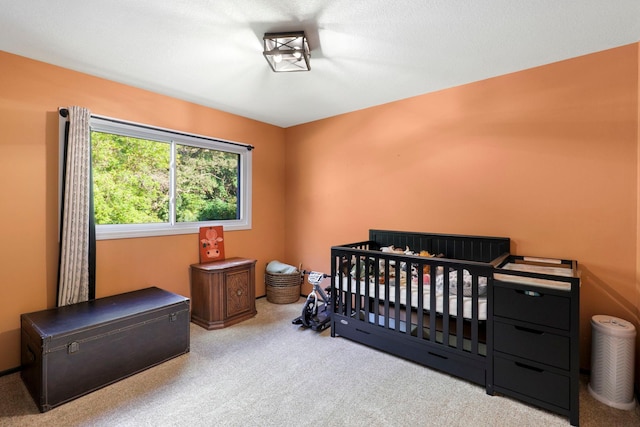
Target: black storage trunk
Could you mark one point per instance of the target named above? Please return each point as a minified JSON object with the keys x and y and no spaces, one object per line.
{"x":70,"y":351}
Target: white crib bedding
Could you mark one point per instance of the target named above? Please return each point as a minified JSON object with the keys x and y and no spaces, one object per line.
{"x":467,"y":301}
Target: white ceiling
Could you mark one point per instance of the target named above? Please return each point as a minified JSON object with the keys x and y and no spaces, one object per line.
{"x":363,"y":52}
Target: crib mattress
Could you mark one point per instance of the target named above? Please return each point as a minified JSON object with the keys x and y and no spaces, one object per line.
{"x":467,"y":302}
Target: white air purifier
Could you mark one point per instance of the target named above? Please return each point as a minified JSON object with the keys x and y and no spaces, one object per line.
{"x":612,"y":361}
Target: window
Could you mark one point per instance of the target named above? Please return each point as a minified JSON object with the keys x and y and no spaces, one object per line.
{"x":150,"y":181}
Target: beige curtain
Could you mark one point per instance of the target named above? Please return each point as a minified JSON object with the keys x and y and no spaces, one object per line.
{"x":73,"y":272}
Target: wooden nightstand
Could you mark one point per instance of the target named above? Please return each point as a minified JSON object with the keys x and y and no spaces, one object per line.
{"x":223,"y":292}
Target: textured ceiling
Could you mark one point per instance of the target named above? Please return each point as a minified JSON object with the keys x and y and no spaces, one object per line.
{"x":363,"y":53}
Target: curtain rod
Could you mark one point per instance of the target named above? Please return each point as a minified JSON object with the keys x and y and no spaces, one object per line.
{"x":64,"y":112}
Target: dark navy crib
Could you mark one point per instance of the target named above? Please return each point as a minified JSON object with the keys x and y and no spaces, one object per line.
{"x":431,"y":310}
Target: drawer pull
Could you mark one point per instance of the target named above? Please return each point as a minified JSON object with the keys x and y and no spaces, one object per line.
{"x":531,"y":368}
{"x":530,"y":293}
{"x":531,"y":331}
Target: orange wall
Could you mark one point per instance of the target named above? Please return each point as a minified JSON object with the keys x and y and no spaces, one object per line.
{"x":637,"y":302}
{"x":30,"y":94}
{"x":546,"y":156}
{"x":638,"y":231}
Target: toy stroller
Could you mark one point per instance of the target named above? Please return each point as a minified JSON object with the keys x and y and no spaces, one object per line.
{"x":316,"y":313}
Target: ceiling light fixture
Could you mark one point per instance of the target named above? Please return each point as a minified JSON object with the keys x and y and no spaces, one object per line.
{"x":288,"y":51}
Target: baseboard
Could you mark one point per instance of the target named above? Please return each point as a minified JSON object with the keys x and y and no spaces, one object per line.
{"x":10,"y":371}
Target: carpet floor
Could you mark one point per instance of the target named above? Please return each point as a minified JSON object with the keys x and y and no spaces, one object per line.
{"x":267,"y":372}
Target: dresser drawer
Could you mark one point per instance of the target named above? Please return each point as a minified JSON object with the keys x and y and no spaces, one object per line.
{"x":531,"y":381}
{"x":533,"y":344}
{"x":534,"y":305}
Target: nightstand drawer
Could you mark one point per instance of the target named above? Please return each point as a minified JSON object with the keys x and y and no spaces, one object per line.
{"x":535,"y":305}
{"x":531,"y":381}
{"x":533,"y":344}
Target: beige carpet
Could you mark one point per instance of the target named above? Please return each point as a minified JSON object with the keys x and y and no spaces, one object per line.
{"x":267,"y":372}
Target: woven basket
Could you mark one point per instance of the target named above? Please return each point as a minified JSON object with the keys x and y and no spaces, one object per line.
{"x":283,"y":288}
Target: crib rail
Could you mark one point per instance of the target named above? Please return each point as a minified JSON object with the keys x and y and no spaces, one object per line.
{"x":452,"y":246}
{"x":406,"y":294}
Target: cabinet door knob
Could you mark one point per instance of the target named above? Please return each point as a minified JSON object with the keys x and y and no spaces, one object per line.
{"x":239,"y":292}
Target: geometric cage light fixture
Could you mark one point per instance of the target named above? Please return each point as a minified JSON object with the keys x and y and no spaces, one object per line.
{"x":287,"y":51}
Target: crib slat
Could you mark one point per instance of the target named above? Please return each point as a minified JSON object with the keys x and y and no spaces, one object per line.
{"x":408,"y":305}
{"x":349,"y":290}
{"x":386,"y":293}
{"x":366,"y":302}
{"x":376,"y":298}
{"x":460,"y":309}
{"x":420,"y":309}
{"x":474,"y":314}
{"x":432,"y":304}
{"x":397,"y":300}
{"x":446,"y":305}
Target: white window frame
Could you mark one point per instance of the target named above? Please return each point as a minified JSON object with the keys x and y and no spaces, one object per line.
{"x":135,"y":130}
